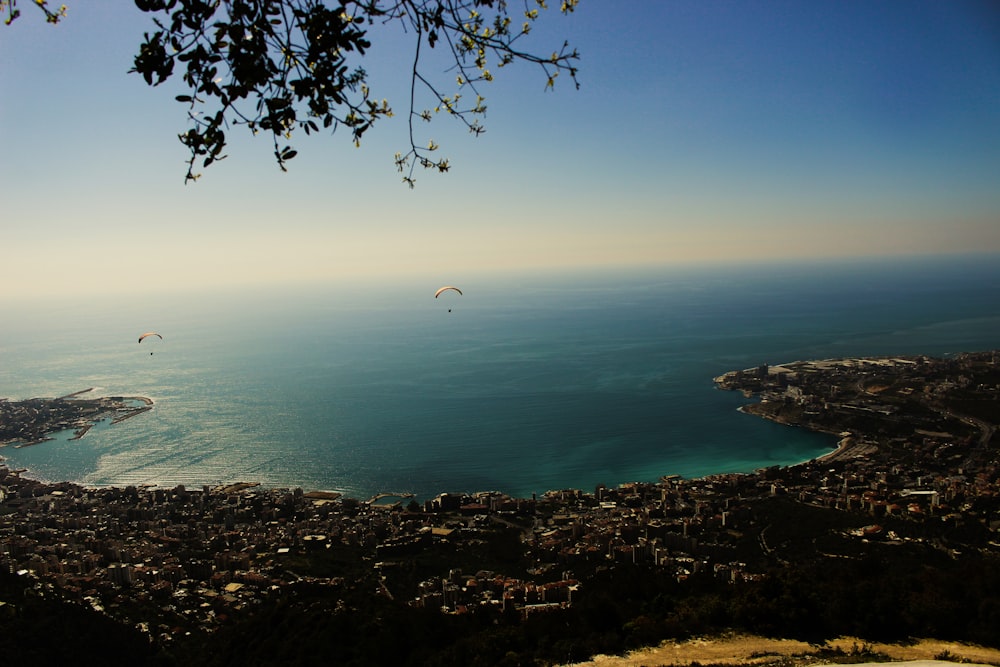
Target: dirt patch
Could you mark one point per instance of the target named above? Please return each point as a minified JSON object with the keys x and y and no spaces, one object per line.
{"x":744,"y":650}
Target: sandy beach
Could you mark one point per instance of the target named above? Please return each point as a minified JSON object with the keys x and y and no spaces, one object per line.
{"x":848,"y":448}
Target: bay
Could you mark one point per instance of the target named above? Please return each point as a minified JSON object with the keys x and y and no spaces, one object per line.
{"x":522,"y":384}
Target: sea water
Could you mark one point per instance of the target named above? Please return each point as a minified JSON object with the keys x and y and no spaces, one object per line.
{"x":522,"y":384}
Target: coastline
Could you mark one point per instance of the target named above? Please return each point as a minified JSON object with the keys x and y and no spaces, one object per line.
{"x":776,"y":517}
{"x":871,"y":403}
{"x":848,"y":447}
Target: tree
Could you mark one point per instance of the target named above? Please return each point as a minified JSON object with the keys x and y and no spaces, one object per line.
{"x":9,"y":7}
{"x":277,"y":66}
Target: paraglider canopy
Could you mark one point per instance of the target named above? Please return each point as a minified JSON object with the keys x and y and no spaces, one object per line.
{"x":148,"y":334}
{"x":444,"y":289}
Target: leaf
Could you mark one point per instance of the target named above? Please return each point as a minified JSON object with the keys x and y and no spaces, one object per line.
{"x":286,"y":65}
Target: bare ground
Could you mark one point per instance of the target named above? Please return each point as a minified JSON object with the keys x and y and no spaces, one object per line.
{"x":744,"y":651}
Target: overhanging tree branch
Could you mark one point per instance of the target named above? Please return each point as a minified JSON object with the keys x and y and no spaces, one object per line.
{"x":279,"y":66}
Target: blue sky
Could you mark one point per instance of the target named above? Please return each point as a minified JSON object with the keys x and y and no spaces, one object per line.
{"x":702,"y":132}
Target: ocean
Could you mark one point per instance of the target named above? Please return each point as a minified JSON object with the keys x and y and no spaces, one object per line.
{"x":521,"y":384}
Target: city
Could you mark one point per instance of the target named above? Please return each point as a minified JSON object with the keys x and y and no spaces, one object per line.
{"x":917,"y":467}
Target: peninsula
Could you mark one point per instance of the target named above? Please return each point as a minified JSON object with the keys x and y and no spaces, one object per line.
{"x":942,"y":412}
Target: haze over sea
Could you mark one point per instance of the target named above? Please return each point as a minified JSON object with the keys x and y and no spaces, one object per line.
{"x":528,"y":383}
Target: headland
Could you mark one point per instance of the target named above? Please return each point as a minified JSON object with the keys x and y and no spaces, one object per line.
{"x":886,"y":407}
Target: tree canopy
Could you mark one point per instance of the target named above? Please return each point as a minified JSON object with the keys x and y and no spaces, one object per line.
{"x":278,"y":66}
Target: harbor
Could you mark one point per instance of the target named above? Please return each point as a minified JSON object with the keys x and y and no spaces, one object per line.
{"x":24,"y":423}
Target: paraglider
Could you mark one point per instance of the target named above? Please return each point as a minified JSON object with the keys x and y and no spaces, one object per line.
{"x":147,"y":335}
{"x":445,"y":289}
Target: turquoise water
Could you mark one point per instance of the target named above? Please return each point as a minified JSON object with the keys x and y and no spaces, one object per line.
{"x":528,"y":383}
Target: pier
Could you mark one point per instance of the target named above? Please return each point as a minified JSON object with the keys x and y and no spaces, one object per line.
{"x":82,"y":431}
{"x":374,"y":500}
{"x":75,"y":394}
{"x":131,"y":413}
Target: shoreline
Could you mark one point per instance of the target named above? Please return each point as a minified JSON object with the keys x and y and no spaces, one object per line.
{"x":848,"y":447}
{"x":785,"y":399}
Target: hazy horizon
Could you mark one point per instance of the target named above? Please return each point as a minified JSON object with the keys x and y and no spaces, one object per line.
{"x":702,"y":132}
{"x":384,"y":290}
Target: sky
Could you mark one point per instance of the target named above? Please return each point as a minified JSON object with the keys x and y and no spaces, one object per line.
{"x":702,"y":131}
